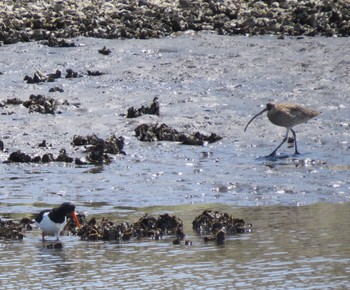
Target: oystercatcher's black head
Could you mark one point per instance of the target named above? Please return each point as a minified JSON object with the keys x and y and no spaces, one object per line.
{"x":61,"y":212}
{"x":66,"y":207}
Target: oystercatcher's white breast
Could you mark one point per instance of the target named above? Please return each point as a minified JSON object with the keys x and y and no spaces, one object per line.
{"x":48,"y":226}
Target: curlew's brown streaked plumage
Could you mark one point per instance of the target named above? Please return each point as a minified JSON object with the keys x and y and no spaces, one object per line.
{"x":288,"y":116}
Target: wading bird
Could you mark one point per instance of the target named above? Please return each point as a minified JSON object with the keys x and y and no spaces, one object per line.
{"x":52,"y":221}
{"x":288,"y":116}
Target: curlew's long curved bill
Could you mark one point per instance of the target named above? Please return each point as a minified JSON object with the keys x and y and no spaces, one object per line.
{"x":75,"y":219}
{"x":254,"y":118}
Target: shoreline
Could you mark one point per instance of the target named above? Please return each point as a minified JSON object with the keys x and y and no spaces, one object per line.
{"x":145,"y":19}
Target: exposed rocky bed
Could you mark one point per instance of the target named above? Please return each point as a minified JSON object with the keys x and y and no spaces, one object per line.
{"x":212,"y":225}
{"x":96,"y":149}
{"x":14,"y":230}
{"x":51,"y":20}
{"x":215,"y":225}
{"x":155,"y":132}
{"x":147,"y":226}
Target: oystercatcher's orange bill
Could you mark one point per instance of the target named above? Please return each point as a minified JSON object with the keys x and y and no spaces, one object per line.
{"x":75,"y":219}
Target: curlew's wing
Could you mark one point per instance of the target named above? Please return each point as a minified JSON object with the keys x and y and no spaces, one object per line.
{"x":290,"y":115}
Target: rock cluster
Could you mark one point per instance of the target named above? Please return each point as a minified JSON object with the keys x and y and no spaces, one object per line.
{"x":156,"y":132}
{"x":36,"y":103}
{"x":40,"y":77}
{"x":213,"y":224}
{"x":153,"y":109}
{"x":97,"y":151}
{"x":49,"y":19}
{"x":14,"y":230}
{"x":217,"y":225}
{"x":146,"y":226}
{"x":20,"y":157}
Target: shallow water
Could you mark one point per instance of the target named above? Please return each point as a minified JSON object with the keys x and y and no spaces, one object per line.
{"x":298,"y":205}
{"x":290,"y":248}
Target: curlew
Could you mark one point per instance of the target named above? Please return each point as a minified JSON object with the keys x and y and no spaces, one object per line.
{"x":288,"y":116}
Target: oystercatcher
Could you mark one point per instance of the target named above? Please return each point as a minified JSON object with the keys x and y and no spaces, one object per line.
{"x":52,"y":221}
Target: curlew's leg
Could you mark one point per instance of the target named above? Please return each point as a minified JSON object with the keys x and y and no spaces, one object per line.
{"x":295,"y":142}
{"x":43,"y":236}
{"x":273,"y":154}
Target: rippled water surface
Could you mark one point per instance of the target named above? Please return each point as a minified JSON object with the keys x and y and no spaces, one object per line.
{"x":290,"y":247}
{"x":298,"y":205}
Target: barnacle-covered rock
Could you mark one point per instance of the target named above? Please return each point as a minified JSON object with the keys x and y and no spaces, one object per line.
{"x":56,"y":21}
{"x":40,"y":104}
{"x":98,"y":149}
{"x":40,"y":77}
{"x":155,"y":132}
{"x":146,"y":226}
{"x":215,"y":225}
{"x":35,"y":103}
{"x":14,"y":230}
{"x":104,"y":51}
{"x":20,"y":157}
{"x":153,"y":109}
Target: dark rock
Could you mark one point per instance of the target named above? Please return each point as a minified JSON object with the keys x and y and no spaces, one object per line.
{"x":13,"y":230}
{"x":40,"y":104}
{"x":146,"y":226}
{"x":56,"y":89}
{"x":40,"y":77}
{"x":154,"y":132}
{"x":153,"y":109}
{"x":36,"y":159}
{"x":114,"y":145}
{"x":55,"y":42}
{"x":104,"y":51}
{"x":42,"y":144}
{"x":72,"y":74}
{"x":98,"y":148}
{"x":47,"y":157}
{"x":13,"y":101}
{"x":63,"y":157}
{"x":96,"y":153}
{"x":19,"y":157}
{"x":217,"y":225}
{"x":53,"y":76}
{"x":143,"y":19}
{"x":94,"y":73}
